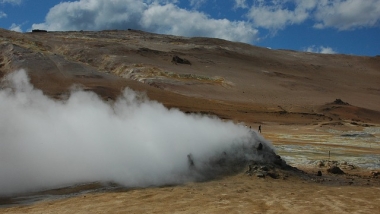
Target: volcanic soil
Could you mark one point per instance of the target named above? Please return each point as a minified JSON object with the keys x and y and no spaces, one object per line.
{"x":298,"y":99}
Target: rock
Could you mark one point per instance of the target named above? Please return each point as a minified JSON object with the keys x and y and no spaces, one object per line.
{"x":262,"y":171}
{"x":260,"y":147}
{"x":339,"y":102}
{"x":279,"y":161}
{"x":260,"y":175}
{"x":335,"y":170}
{"x":348,"y":166}
{"x":252,"y":168}
{"x":375,"y":173}
{"x":319,"y":173}
{"x":177,"y":59}
{"x":331,"y":163}
{"x":273,"y":175}
{"x":320,"y":164}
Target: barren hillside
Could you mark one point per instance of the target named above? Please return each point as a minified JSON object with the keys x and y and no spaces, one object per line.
{"x":218,"y":73}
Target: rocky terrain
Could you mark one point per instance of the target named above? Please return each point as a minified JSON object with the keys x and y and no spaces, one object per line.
{"x":307,"y":104}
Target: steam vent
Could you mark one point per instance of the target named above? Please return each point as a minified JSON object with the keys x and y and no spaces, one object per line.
{"x":255,"y":155}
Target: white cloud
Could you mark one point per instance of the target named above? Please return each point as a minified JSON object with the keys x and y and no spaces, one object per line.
{"x":340,"y":14}
{"x":93,"y":15}
{"x":277,"y":15}
{"x":15,"y":27}
{"x":173,"y":20}
{"x":11,"y":1}
{"x":197,"y":3}
{"x":166,"y":18}
{"x":347,"y":14}
{"x":2,"y":14}
{"x":320,"y":49}
{"x":241,"y":4}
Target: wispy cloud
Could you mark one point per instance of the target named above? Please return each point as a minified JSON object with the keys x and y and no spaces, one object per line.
{"x":2,"y":14}
{"x":276,"y":15}
{"x":14,"y":2}
{"x":348,"y":14}
{"x":197,"y":3}
{"x":320,"y":49}
{"x":11,"y":1}
{"x":339,"y":14}
{"x":241,"y":4}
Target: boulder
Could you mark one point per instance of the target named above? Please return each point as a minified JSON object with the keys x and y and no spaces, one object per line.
{"x":177,"y":59}
{"x":340,"y":102}
{"x":335,"y":170}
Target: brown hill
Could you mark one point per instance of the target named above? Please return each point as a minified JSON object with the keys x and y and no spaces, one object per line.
{"x":232,"y":80}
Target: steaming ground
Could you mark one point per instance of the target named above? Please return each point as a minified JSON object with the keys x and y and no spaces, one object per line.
{"x":47,"y":143}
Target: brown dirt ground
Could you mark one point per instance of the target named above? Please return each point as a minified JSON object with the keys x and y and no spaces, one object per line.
{"x":234,"y":194}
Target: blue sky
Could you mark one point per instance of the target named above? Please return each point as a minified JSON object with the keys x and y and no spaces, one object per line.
{"x":321,"y":26}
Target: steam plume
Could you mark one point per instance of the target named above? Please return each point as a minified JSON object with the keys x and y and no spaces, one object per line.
{"x":46,"y":143}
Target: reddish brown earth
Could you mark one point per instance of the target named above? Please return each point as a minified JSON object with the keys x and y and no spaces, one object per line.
{"x":288,"y":93}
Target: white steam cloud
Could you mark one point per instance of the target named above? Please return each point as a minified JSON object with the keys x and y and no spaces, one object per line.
{"x":47,"y":143}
